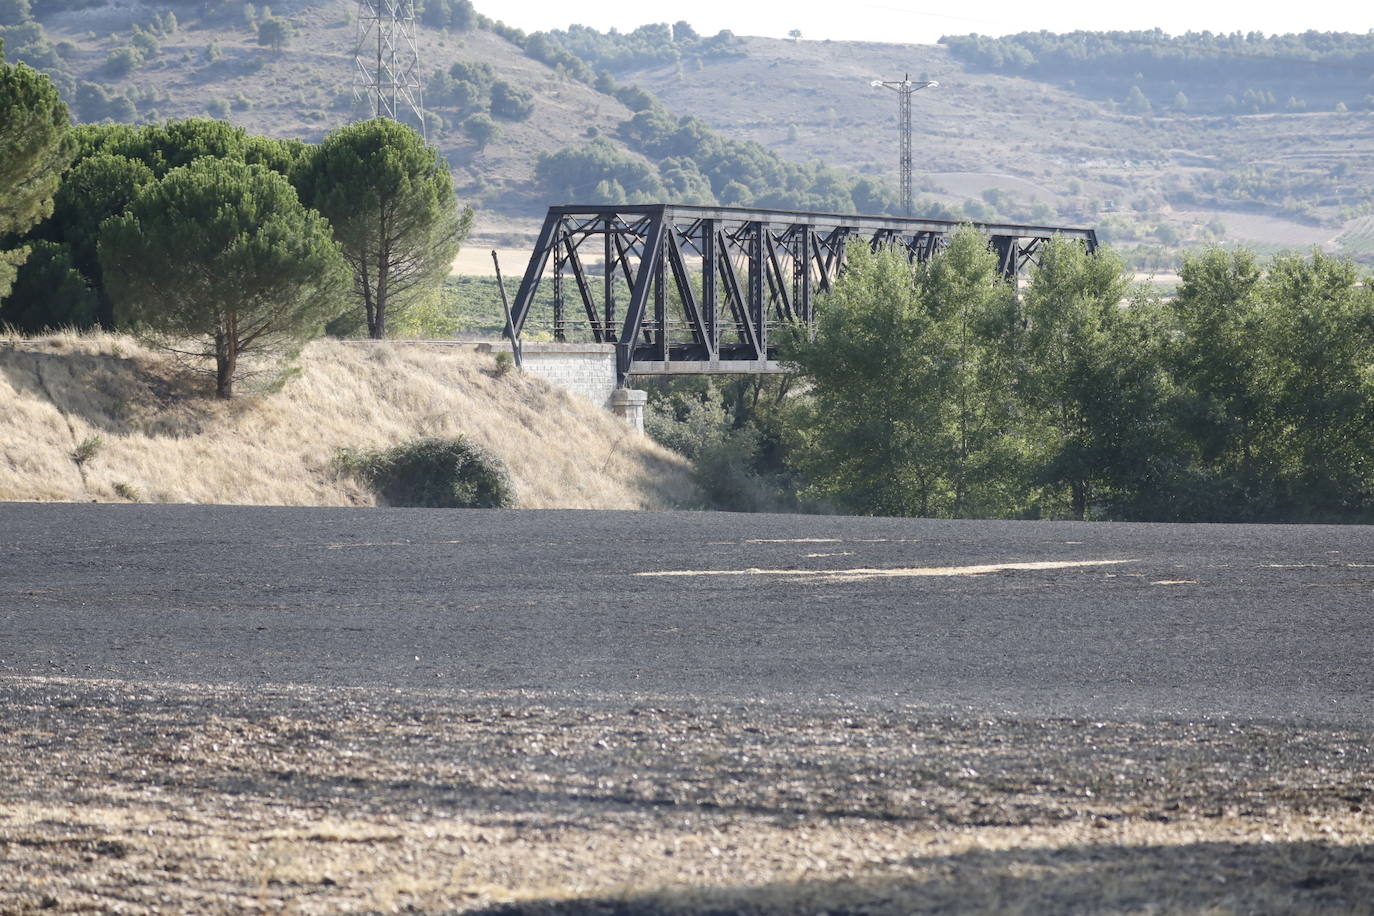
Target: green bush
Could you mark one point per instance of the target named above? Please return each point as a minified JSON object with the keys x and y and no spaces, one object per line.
{"x":123,"y":61}
{"x":433,"y":473}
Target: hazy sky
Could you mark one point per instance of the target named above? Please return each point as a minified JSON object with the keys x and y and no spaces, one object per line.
{"x":923,"y":23}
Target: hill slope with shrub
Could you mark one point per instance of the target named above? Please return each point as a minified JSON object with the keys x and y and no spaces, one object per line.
{"x":1262,"y":141}
{"x":1160,"y":141}
{"x":102,"y":418}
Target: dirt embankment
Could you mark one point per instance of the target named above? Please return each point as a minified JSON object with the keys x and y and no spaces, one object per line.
{"x":103,"y":418}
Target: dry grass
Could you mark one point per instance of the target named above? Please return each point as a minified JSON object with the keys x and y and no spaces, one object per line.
{"x":162,"y":438}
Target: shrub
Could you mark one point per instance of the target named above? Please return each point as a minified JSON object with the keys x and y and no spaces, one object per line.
{"x":86,"y":450}
{"x":123,"y":61}
{"x":481,"y":129}
{"x":723,"y":458}
{"x":511,"y":102}
{"x":433,"y":473}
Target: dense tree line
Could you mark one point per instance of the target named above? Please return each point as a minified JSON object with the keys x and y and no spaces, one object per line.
{"x":223,"y":242}
{"x":1240,"y":72}
{"x":935,"y":390}
{"x":687,"y":162}
{"x":647,"y":46}
{"x":457,"y":15}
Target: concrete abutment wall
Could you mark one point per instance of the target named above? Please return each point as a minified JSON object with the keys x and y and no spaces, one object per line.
{"x":584,"y":369}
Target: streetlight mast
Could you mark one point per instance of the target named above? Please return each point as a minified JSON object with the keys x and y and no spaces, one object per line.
{"x":905,"y":88}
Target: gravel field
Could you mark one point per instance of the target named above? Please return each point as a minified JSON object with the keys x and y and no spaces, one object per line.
{"x":207,"y":710}
{"x":158,"y":798}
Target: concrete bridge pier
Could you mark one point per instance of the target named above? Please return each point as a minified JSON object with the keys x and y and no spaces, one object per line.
{"x":628,"y":404}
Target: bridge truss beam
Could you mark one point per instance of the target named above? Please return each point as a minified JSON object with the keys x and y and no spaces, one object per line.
{"x":687,"y":289}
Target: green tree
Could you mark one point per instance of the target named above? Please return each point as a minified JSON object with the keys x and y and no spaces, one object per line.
{"x":123,"y":61}
{"x":390,"y":200}
{"x":1225,"y":404}
{"x":114,"y":161}
{"x":145,"y":42}
{"x":1319,"y":349}
{"x":974,"y":313}
{"x":275,"y":33}
{"x":1091,"y":384}
{"x":35,"y":147}
{"x":864,"y":437}
{"x":223,"y":254}
{"x":95,"y":189}
{"x":1136,"y":102}
{"x":48,"y":293}
{"x":511,"y":102}
{"x":908,"y":412}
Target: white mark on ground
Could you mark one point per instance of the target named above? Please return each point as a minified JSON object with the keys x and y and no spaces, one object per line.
{"x":353,"y":545}
{"x":890,"y":573}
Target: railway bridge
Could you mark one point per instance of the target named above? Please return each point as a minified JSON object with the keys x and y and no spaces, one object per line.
{"x":699,"y":290}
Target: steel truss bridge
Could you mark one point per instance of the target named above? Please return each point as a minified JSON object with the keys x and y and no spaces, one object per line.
{"x":698,"y":290}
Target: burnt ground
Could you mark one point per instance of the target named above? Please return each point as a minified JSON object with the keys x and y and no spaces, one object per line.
{"x":213,"y":710}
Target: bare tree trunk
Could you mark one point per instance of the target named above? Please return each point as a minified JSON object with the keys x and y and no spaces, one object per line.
{"x":1078,"y":499}
{"x":378,"y":325}
{"x":226,"y":357}
{"x":378,"y":328}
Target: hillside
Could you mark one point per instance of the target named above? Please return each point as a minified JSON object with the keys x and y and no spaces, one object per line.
{"x":1029,"y":148}
{"x":1230,"y":145}
{"x":163,"y":438}
{"x":213,"y":65}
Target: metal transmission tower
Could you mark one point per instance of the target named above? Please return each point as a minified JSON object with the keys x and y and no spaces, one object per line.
{"x":904,"y":89}
{"x":387,"y":60}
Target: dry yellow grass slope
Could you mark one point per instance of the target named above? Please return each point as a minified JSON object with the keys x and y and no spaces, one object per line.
{"x":162,"y":438}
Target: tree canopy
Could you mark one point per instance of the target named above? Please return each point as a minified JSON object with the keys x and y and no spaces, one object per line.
{"x":1245,"y":397}
{"x":35,"y":147}
{"x":112,"y":162}
{"x":222,"y":253}
{"x":389,"y":198}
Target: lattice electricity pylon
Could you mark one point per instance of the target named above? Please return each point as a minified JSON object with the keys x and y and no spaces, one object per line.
{"x":905,"y":88}
{"x":387,"y":61}
{"x":699,"y":290}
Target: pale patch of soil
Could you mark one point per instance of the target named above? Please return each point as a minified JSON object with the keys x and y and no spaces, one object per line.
{"x":120,"y":797}
{"x":1265,"y":229}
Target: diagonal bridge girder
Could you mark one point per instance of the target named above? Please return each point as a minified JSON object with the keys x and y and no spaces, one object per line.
{"x":684,"y":289}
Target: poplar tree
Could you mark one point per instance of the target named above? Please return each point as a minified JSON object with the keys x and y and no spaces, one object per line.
{"x":910,"y":385}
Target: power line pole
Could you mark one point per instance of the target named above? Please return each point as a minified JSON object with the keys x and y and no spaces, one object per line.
{"x":387,"y":61}
{"x":905,"y":88}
